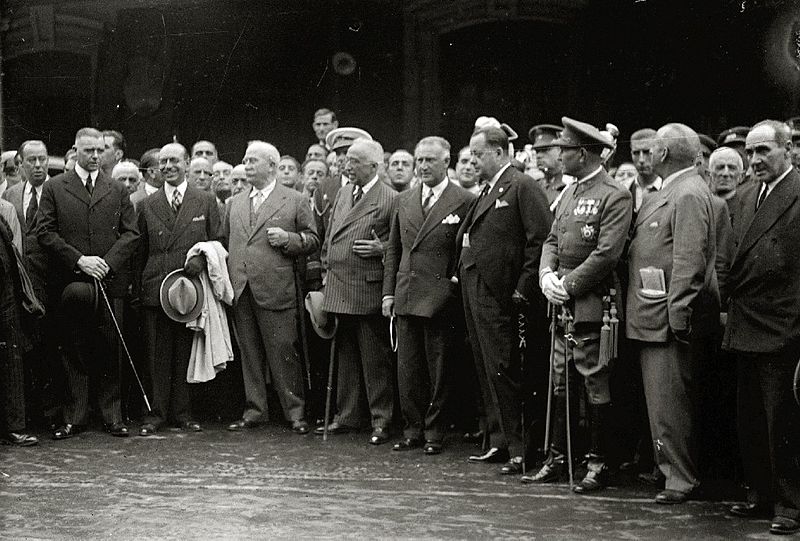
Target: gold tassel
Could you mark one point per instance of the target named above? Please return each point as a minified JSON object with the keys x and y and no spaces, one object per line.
{"x":614,"y":323}
{"x":605,"y":340}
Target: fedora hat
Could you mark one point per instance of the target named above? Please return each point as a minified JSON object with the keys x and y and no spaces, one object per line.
{"x":80,"y":296}
{"x":324,"y":324}
{"x":181,"y":297}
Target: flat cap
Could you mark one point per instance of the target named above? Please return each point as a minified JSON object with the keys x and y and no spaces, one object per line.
{"x":543,"y":135}
{"x":339,"y":138}
{"x":580,"y":134}
{"x":733,"y":136}
{"x":7,"y":156}
{"x":707,"y":142}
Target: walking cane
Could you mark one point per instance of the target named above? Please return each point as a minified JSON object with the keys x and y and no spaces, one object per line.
{"x":331,"y":364}
{"x":568,"y":339}
{"x":521,"y":324}
{"x":124,"y":345}
{"x":551,"y":309}
{"x":301,"y":317}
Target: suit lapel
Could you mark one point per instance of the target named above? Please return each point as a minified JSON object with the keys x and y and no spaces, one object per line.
{"x":162,"y":209}
{"x":446,"y":203}
{"x":500,"y":187}
{"x":269,"y":207}
{"x":240,"y":208}
{"x":189,"y":205}
{"x":367,"y":204}
{"x":76,"y":187}
{"x":414,"y":210}
{"x":17,"y":198}
{"x":782,"y":197}
{"x":654,"y":201}
{"x":102,"y":187}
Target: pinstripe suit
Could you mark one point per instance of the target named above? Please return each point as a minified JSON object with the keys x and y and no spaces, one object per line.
{"x":353,"y":291}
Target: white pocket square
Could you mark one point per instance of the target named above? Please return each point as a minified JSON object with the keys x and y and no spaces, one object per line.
{"x":653,"y":225}
{"x":452,"y":219}
{"x":200,"y":218}
{"x":499,"y":203}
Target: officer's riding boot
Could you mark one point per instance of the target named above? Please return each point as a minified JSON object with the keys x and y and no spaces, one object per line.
{"x":597,"y":471}
{"x":556,"y":462}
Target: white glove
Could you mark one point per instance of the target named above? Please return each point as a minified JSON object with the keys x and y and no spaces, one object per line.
{"x":553,"y":289}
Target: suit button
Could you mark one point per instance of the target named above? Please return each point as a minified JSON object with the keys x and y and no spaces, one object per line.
{"x":438,"y":276}
{"x":413,"y":273}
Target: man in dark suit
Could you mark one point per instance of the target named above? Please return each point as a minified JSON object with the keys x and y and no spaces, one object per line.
{"x":763,"y":329}
{"x":87,"y":225}
{"x":352,"y":259}
{"x":673,"y":301}
{"x":576,"y":270}
{"x":151,"y":175}
{"x":171,"y":221}
{"x":417,"y":289}
{"x":267,"y":228}
{"x":498,"y":248}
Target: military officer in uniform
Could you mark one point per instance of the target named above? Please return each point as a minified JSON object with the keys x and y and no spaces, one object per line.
{"x":576,"y":274}
{"x":547,"y":159}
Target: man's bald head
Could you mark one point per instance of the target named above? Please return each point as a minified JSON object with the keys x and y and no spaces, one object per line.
{"x":675,"y":147}
{"x":201,"y":173}
{"x":173,"y":161}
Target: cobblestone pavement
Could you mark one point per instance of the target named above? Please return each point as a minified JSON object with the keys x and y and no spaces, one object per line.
{"x":269,"y":483}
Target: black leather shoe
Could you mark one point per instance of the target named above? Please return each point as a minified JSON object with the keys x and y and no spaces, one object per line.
{"x":191,"y":426}
{"x":512,"y":467}
{"x":595,"y":479}
{"x":432,"y":448}
{"x":750,"y":510}
{"x":784,"y":526}
{"x":300,"y":427}
{"x":474,"y":437}
{"x":407,"y":444}
{"x":379,"y":435}
{"x":147,"y":429}
{"x":241,"y":424}
{"x":492,"y":456}
{"x":333,"y":428}
{"x":653,"y":479}
{"x":117,"y":429}
{"x":671,"y":497}
{"x":20,"y":440}
{"x":65,"y":431}
{"x":550,"y":472}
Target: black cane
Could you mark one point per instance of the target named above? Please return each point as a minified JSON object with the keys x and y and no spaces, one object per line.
{"x":331,"y":365}
{"x":301,"y":321}
{"x":521,"y":324}
{"x":553,"y":327}
{"x":124,"y":345}
{"x":568,"y":338}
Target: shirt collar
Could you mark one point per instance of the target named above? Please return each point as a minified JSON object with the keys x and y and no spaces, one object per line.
{"x":675,"y":175}
{"x":771,"y":185}
{"x":169,"y":189}
{"x":265,"y":191}
{"x":497,"y":176}
{"x":83,"y":173}
{"x":437,"y":189}
{"x":149,"y":189}
{"x":368,"y":186}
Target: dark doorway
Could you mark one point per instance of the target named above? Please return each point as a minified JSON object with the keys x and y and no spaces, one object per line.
{"x":520,"y":72}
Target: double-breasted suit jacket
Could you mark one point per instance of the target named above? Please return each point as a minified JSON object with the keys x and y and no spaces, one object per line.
{"x":167,"y":237}
{"x":421,"y":250}
{"x":354,"y":284}
{"x":498,"y":248}
{"x":419,"y":253}
{"x":35,"y":256}
{"x":353,"y":289}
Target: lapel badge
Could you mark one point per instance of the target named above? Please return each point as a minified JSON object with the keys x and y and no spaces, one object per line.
{"x":500,"y":189}
{"x":588,"y":232}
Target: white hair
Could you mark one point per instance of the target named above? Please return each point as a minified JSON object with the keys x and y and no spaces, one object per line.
{"x":372,"y":149}
{"x":265,"y":148}
{"x":718,"y":153}
{"x":121,"y":166}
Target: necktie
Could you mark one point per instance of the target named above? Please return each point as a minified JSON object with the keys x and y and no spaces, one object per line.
{"x":176,"y":201}
{"x":484,"y":191}
{"x":257,"y":199}
{"x":33,"y":206}
{"x":428,"y":203}
{"x":89,"y":186}
{"x":357,"y":193}
{"x":762,"y":195}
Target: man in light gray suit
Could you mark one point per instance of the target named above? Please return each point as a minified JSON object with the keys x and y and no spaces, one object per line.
{"x":268,"y":226}
{"x":674,"y":240}
{"x":352,"y":258}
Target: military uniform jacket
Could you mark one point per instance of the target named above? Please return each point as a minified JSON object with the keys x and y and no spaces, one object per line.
{"x":586,"y":241}
{"x":167,"y":237}
{"x":422,"y":249}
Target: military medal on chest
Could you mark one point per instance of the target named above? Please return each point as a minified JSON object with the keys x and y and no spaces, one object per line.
{"x":586,"y":207}
{"x":588,"y":232}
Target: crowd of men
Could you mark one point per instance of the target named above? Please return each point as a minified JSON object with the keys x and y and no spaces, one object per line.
{"x":436,"y":294}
